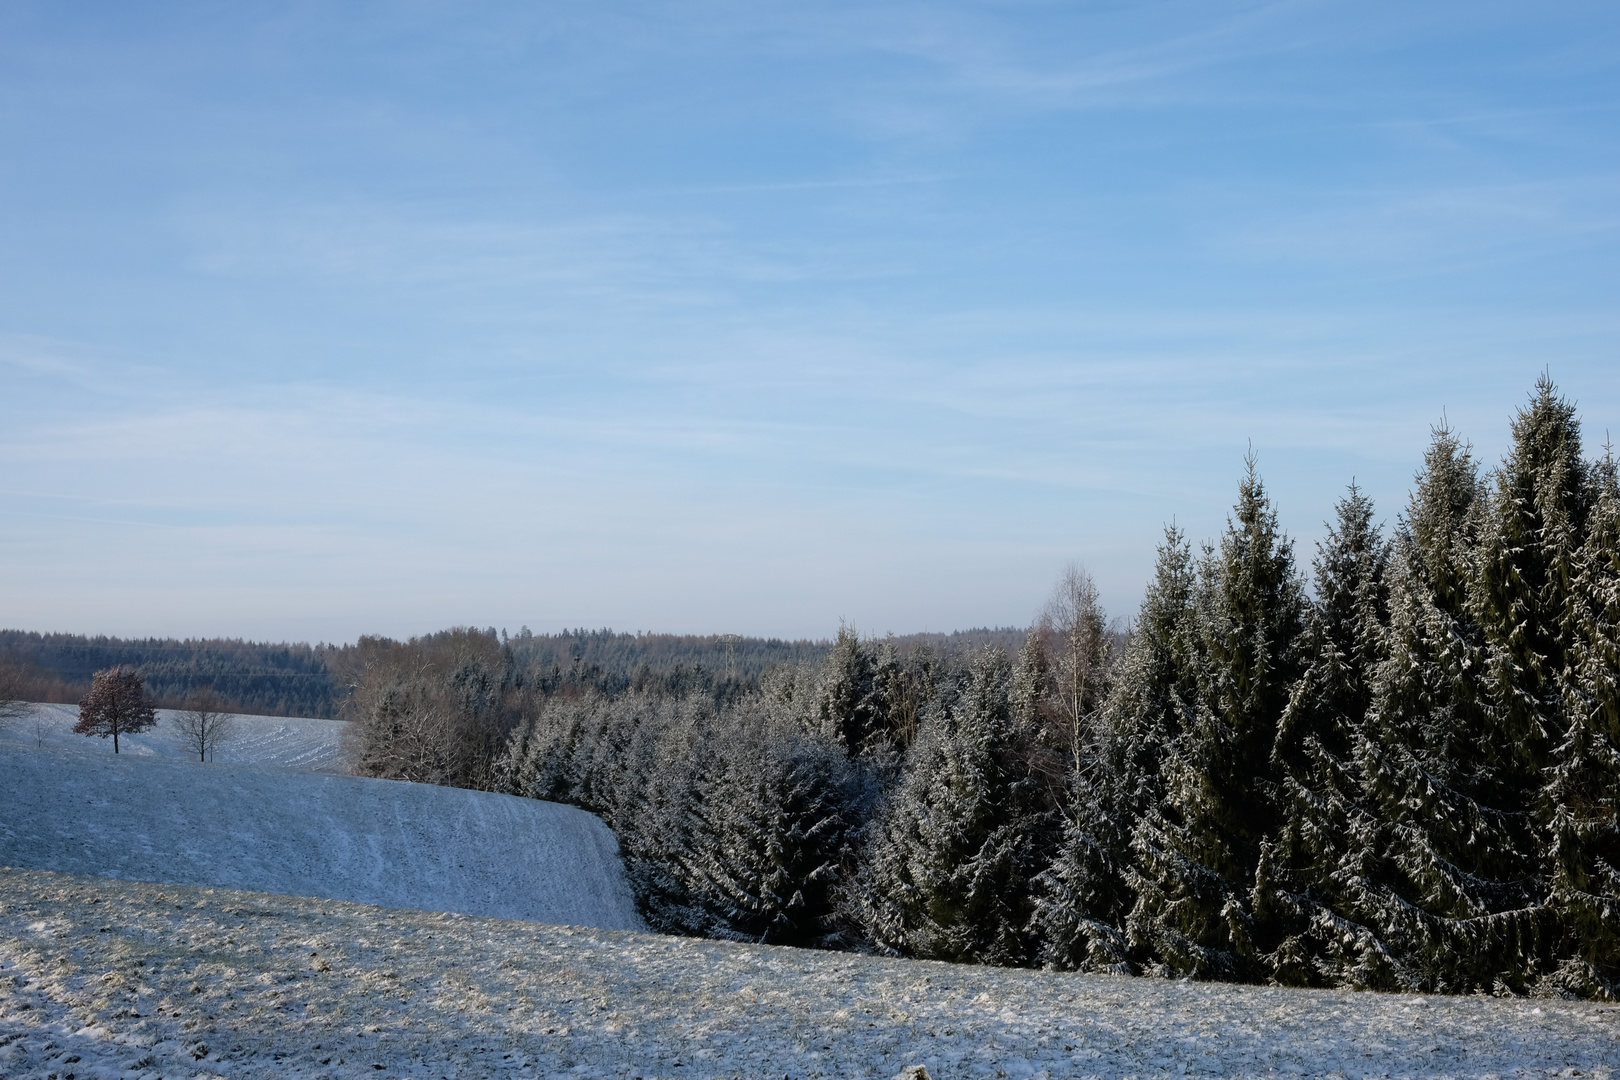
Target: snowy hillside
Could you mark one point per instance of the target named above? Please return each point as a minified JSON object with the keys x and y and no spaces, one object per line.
{"x":146,"y":818}
{"x":102,"y":978}
{"x":274,"y":741}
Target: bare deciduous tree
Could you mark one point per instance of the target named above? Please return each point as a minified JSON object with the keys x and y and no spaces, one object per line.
{"x":1074,"y":630}
{"x":13,"y":691}
{"x":203,"y":724}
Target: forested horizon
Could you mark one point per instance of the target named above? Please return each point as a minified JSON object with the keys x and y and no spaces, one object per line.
{"x":301,"y":679}
{"x":272,"y":679}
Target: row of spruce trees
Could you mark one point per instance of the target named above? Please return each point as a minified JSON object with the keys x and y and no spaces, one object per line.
{"x":1405,"y":775}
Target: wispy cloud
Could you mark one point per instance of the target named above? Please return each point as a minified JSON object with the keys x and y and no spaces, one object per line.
{"x":1438,"y":228}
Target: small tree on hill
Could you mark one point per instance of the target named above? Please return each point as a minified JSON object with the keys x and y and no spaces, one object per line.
{"x":202,"y":724}
{"x":116,"y":705}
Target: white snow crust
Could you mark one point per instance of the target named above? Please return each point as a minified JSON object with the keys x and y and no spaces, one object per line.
{"x":146,"y":818}
{"x":297,"y":742}
{"x":103,"y":978}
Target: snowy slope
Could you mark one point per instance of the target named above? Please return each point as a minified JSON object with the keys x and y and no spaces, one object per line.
{"x":145,"y":818}
{"x":275,"y":741}
{"x":103,"y":978}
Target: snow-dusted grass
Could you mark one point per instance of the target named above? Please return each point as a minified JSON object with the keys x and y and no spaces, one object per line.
{"x":103,"y":978}
{"x":145,"y":818}
{"x":302,"y":743}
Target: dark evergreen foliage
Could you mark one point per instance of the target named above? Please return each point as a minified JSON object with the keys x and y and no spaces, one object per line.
{"x":852,"y":707}
{"x":250,"y":677}
{"x":1441,"y":857}
{"x":1299,"y":893}
{"x":1200,"y":850}
{"x":956,"y":846}
{"x":726,"y":666}
{"x":1582,"y":796}
{"x":763,"y":859}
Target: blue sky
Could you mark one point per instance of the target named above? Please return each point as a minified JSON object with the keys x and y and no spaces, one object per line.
{"x":319,"y":320}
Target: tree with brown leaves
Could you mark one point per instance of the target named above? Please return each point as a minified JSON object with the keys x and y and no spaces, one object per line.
{"x":116,"y":705}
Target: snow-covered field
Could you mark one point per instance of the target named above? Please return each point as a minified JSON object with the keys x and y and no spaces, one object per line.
{"x":104,"y":978}
{"x":344,"y":837}
{"x":282,"y":742}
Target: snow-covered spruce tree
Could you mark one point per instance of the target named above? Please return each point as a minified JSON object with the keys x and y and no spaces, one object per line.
{"x":763,"y":858}
{"x":949,"y":858}
{"x":1198,"y":853}
{"x":578,"y":750}
{"x":640,"y":761}
{"x":1298,"y":899}
{"x":1527,"y":602}
{"x":731,"y":824}
{"x":654,"y":792}
{"x":850,"y":706}
{"x":541,"y":752}
{"x":903,"y":686}
{"x":1536,"y":526}
{"x":1083,"y":897}
{"x":1583,"y":790}
{"x":1450,"y":876}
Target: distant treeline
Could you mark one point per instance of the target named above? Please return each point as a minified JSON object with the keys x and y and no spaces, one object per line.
{"x":723,"y":664}
{"x":442,"y":708}
{"x":281,"y":679}
{"x":248,"y":676}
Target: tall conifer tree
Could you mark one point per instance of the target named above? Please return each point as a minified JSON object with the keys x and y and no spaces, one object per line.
{"x":1200,"y":851}
{"x":1449,"y":876}
{"x":1526,"y":573}
{"x":762,"y":861}
{"x":851,"y":709}
{"x":1583,"y":790}
{"x":1298,"y":892}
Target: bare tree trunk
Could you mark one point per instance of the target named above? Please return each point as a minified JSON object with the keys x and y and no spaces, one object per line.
{"x":1076,"y":631}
